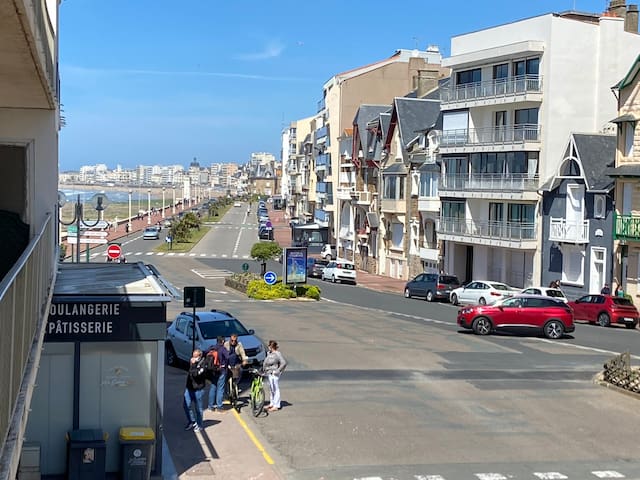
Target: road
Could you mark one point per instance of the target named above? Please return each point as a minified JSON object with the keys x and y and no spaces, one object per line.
{"x":381,"y":387}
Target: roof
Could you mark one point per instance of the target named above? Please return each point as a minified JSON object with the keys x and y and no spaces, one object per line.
{"x":397,"y":168}
{"x":364,"y":115}
{"x":624,"y":118}
{"x":414,"y":115}
{"x":630,"y":76}
{"x":632,"y":170}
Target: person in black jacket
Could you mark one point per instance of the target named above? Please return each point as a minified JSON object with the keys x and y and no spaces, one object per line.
{"x":194,"y":392}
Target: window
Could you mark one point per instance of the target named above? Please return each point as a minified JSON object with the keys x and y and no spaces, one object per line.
{"x":529,"y":66}
{"x":599,"y":206}
{"x":468,"y":76}
{"x":500,"y":71}
{"x":429,"y":184}
{"x":573,"y":265}
{"x":393,"y":187}
{"x":453,"y":210}
{"x":526,"y":116}
{"x":629,"y":131}
{"x":397,"y":234}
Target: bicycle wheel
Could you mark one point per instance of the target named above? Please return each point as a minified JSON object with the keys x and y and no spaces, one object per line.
{"x":257,"y":401}
{"x":233,"y":394}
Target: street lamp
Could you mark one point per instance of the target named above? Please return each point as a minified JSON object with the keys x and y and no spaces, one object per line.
{"x":173,"y":204}
{"x":129,"y":220}
{"x":99,"y":200}
{"x":162,"y":202}
{"x":148,"y":206}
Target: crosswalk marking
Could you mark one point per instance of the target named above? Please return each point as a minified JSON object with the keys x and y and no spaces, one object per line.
{"x":212,"y":273}
{"x":173,"y":255}
{"x":550,"y":475}
{"x":490,"y":476}
{"x":608,"y":474}
{"x":429,"y":477}
{"x":500,"y":476}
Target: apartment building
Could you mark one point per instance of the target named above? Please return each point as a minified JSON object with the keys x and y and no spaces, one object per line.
{"x":29,"y":124}
{"x":296,"y":157}
{"x":342,"y":95}
{"x":517,"y":92}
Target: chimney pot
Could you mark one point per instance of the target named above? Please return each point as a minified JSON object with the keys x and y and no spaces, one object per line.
{"x":618,"y":8}
{"x":631,"y":20}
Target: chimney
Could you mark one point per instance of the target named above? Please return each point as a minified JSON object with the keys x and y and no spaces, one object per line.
{"x":618,"y":8}
{"x":425,"y":81}
{"x":631,"y":20}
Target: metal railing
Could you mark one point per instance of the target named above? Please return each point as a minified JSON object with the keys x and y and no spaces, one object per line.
{"x":511,"y":231}
{"x":571,"y":232}
{"x":492,"y":182}
{"x":507,"y":135}
{"x":626,"y":227}
{"x":45,"y":33}
{"x":501,"y":87}
{"x":25,"y":296}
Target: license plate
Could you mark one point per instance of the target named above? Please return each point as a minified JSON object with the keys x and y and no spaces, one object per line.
{"x":627,"y":319}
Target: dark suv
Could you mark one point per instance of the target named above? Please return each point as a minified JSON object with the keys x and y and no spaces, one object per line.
{"x":431,"y":286}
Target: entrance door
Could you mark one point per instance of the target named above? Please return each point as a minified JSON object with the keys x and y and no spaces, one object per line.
{"x":598,"y":266}
{"x":468,"y":272}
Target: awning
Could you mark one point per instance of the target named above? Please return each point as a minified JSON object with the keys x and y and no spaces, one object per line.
{"x":624,"y":171}
{"x":373,"y":220}
{"x":624,"y":118}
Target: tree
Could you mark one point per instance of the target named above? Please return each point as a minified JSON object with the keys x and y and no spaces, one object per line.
{"x":263,"y":251}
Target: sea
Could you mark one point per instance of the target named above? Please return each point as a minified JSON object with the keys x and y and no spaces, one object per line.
{"x":113,"y":196}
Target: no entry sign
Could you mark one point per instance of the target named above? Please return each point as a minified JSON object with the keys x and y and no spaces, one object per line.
{"x":114,"y":251}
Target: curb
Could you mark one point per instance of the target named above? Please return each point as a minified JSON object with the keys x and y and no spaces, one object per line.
{"x":598,"y":379}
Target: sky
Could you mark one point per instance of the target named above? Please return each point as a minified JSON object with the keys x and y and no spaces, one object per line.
{"x":160,"y":83}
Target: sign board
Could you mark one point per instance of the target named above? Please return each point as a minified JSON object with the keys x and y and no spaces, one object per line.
{"x":193,"y":297}
{"x":87,"y":233}
{"x":89,"y":224}
{"x":245,"y":267}
{"x":270,"y":278}
{"x":294,"y":265}
{"x":86,"y":240}
{"x":114,"y":251}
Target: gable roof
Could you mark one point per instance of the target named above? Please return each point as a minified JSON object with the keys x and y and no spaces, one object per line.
{"x":364,"y":115}
{"x":630,"y":76}
{"x":596,"y":152}
{"x":415,"y":115}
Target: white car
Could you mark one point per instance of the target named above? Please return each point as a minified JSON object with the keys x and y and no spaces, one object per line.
{"x":547,"y":292}
{"x":340,"y":271}
{"x":481,"y":292}
{"x":237,"y":204}
{"x":329,"y":252}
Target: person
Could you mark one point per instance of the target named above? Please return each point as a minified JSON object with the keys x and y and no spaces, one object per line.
{"x":194,"y":391}
{"x":237,"y":357}
{"x":606,"y":290}
{"x":217,"y":375}
{"x":273,"y":366}
{"x":619,"y":291}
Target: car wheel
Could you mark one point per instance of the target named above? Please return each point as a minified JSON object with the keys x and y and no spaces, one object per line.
{"x":454,"y":299}
{"x":482,"y":326}
{"x":604,"y":320}
{"x":429,"y":296}
{"x":553,"y":329}
{"x":170,"y":354}
{"x":407,"y":293}
{"x":482,"y":301}
{"x":333,"y":278}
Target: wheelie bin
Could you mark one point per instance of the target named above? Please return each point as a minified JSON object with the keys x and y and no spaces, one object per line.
{"x":136,"y":447}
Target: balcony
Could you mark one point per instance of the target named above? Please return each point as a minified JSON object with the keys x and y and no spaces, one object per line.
{"x":492,"y":233}
{"x":523,"y":88}
{"x":321,"y":105}
{"x":508,"y":138}
{"x":322,"y":135}
{"x":362,"y":197}
{"x":489,"y":185}
{"x":321,"y":188}
{"x":568,"y":232}
{"x":430,"y":254}
{"x":344,"y":193}
{"x":323,"y":161}
{"x":626,"y":227}
{"x":347,"y":178}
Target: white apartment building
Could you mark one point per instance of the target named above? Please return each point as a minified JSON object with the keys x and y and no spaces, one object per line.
{"x":517,"y":91}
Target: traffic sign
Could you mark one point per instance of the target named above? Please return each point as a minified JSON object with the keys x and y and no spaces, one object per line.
{"x":270,"y":278}
{"x":245,"y":267}
{"x":73,"y":240}
{"x":87,"y":233}
{"x":114,"y":251}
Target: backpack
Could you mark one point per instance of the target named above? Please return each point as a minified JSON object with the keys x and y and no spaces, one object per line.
{"x":213,"y":362}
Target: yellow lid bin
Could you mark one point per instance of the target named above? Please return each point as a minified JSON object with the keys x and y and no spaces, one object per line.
{"x":136,"y":434}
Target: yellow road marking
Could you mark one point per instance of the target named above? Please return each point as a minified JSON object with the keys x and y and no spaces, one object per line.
{"x":253,"y":438}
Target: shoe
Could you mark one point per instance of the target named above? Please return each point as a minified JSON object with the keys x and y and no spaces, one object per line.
{"x":212,"y":409}
{"x":190,"y":426}
{"x":196,"y":428}
{"x":272,"y":409}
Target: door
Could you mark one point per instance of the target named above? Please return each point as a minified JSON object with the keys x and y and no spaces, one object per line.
{"x":417,"y":287}
{"x":468,"y":293}
{"x":574,"y":212}
{"x":598,"y":267}
{"x":469,"y":264}
{"x":581,"y":307}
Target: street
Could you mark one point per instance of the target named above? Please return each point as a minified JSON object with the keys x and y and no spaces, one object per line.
{"x":379,"y":386}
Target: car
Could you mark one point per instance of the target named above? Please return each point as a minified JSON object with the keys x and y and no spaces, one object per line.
{"x":431,"y":286}
{"x":265,"y":233}
{"x":315,"y":267}
{"x":547,"y":292}
{"x":339,"y":271}
{"x":263,"y":218}
{"x":209,"y":326}
{"x":237,"y":204}
{"x":483,"y":292}
{"x":533,"y":313}
{"x":151,"y":233}
{"x":167,"y":223}
{"x":329,"y":252}
{"x":605,"y":310}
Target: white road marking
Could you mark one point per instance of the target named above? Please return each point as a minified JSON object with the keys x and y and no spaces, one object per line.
{"x":550,"y":475}
{"x":608,"y":474}
{"x":490,"y":476}
{"x":428,"y":477}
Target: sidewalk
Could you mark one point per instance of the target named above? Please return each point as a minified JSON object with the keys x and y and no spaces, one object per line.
{"x":379,"y":283}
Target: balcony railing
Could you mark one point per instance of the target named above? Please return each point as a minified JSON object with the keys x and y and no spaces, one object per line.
{"x":321,"y":187}
{"x":511,"y":231}
{"x":323,"y":160}
{"x":514,"y":134}
{"x":627,"y":227}
{"x":322,"y":133}
{"x":502,"y":87}
{"x":25,"y":295}
{"x":492,"y":182}
{"x":344,"y":193}
{"x":321,"y":105}
{"x":570,"y":232}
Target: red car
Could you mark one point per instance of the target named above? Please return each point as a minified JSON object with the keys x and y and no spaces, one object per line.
{"x":605,"y":310}
{"x":519,"y":313}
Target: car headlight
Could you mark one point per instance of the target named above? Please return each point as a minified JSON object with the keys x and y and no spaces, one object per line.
{"x":260,"y":348}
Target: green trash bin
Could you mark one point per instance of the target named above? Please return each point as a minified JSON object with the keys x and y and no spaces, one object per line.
{"x":86,"y":455}
{"x":136,"y":447}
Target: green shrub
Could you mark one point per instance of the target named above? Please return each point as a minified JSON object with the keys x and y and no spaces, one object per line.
{"x":308,"y":291}
{"x":259,"y":290}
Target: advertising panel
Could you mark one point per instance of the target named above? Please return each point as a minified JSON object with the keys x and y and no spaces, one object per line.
{"x":294,"y":265}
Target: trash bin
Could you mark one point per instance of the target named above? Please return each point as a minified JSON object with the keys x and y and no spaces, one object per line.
{"x":136,"y":448}
{"x":86,"y":455}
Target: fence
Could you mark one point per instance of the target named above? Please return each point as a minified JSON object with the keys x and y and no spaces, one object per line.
{"x":618,"y":372}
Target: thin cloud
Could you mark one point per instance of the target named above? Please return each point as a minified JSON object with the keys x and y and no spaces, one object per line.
{"x":76,"y":70}
{"x":271,"y":50}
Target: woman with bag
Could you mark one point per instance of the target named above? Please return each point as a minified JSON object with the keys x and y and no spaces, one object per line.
{"x":273,"y":366}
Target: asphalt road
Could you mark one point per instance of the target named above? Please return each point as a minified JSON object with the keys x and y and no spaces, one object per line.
{"x":381,"y":387}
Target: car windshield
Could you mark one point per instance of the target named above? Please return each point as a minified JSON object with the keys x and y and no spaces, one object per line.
{"x":345,"y":266}
{"x":555,"y":293}
{"x":221,"y":328}
{"x":449,"y":280}
{"x":500,"y":286}
{"x":622,"y":301}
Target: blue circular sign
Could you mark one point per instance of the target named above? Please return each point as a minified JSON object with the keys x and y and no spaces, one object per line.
{"x":270,"y":278}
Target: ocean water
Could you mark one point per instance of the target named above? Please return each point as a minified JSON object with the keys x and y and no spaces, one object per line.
{"x":113,"y":196}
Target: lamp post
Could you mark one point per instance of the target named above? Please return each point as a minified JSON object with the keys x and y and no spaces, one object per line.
{"x":163,"y":202}
{"x":173,"y":203}
{"x":129,"y":220}
{"x":100,"y":200}
{"x":148,"y":206}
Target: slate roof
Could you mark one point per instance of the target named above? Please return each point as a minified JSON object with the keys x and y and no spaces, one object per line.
{"x":597,"y":152}
{"x":364,"y":115}
{"x":415,"y":115}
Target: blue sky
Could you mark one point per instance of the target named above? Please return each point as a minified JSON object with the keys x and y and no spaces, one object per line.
{"x":156,"y":82}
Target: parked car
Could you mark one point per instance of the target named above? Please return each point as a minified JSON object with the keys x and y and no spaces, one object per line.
{"x":315,"y":267}
{"x":151,"y":233}
{"x":431,"y":286}
{"x":533,"y":313}
{"x":339,"y":271}
{"x":547,"y":292}
{"x":606,"y":310}
{"x":209,"y":325}
{"x":265,"y":233}
{"x":237,"y":204}
{"x":329,"y":252}
{"x":482,"y":292}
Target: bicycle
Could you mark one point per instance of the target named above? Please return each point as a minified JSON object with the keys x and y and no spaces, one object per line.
{"x":233,"y":392}
{"x":256,"y":394}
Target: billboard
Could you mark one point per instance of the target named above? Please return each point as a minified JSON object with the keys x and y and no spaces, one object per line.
{"x":294,"y":265}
